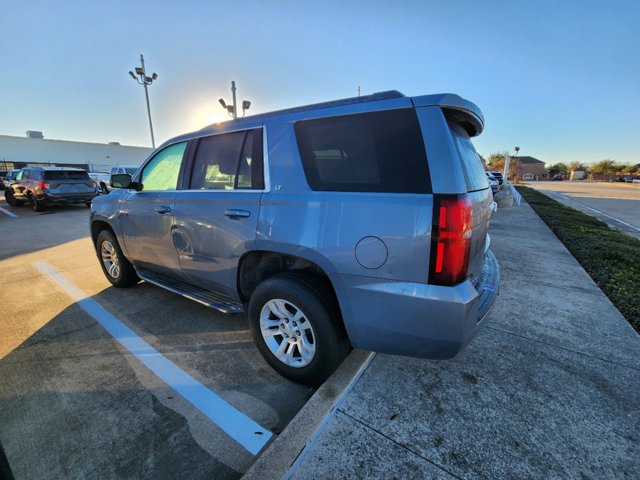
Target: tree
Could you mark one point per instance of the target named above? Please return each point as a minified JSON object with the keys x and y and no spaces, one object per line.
{"x":603,"y":167}
{"x":574,"y":166}
{"x":495,"y":161}
{"x":556,"y":168}
{"x":631,"y":169}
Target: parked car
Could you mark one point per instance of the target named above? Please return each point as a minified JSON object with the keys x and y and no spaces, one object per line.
{"x":9,"y":178}
{"x":558,"y":178}
{"x":104,"y":178}
{"x":360,"y":222}
{"x":498,"y":176}
{"x":493,"y":183}
{"x":3,"y":174}
{"x":43,"y":186}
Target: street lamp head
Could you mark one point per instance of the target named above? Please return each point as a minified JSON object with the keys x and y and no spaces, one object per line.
{"x":517,"y":149}
{"x":139,"y":71}
{"x":148,"y":80}
{"x":133,"y":75}
{"x":154,"y":76}
{"x":222,"y":102}
{"x":230,"y":109}
{"x":246,"y":104}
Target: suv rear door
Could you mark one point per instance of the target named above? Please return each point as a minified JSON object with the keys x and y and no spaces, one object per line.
{"x":216,"y":214}
{"x":68,"y":182}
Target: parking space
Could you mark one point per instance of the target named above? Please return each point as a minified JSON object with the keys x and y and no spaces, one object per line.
{"x":103,"y":382}
{"x":617,"y":204}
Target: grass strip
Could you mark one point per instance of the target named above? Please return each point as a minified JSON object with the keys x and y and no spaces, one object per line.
{"x":611,"y":258}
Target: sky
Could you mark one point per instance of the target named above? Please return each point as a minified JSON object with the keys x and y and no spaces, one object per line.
{"x":560,"y":79}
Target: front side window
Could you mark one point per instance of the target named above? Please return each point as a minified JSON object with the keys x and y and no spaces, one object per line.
{"x":20,"y":175}
{"x":162,"y":172}
{"x":367,"y":152}
{"x":229,"y":161}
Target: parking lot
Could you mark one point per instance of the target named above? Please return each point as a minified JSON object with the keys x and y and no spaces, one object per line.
{"x":617,"y":204}
{"x":100,"y":382}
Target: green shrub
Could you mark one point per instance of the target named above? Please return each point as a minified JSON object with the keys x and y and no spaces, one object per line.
{"x":611,"y":258}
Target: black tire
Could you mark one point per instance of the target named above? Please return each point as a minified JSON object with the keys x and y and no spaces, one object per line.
{"x":126,"y":275}
{"x":88,"y":204}
{"x":36,"y":205}
{"x":103,"y":188}
{"x":11,"y":200}
{"x":313,"y":296}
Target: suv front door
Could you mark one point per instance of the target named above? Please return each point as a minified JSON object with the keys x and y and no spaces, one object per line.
{"x":216,"y":215}
{"x":147,"y":215}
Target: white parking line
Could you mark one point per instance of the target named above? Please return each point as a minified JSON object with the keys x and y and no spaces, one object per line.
{"x":236,"y":424}
{"x":7,"y":212}
{"x":598,"y":211}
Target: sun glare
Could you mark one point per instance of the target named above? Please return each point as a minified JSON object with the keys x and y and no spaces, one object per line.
{"x":217,"y":117}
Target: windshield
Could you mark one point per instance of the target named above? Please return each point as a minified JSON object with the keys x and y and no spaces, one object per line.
{"x":131,"y":170}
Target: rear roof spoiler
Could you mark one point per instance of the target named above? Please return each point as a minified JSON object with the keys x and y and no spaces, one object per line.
{"x":456,"y":109}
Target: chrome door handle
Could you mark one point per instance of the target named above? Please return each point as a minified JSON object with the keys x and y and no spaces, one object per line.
{"x":237,"y":213}
{"x":162,"y":209}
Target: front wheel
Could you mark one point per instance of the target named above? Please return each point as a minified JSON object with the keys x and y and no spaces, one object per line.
{"x":296,"y":325}
{"x":11,"y":199}
{"x":115,"y":266}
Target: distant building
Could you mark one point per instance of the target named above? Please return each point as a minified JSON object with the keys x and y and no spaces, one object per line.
{"x":578,"y":174}
{"x":530,"y":168}
{"x":34,"y":149}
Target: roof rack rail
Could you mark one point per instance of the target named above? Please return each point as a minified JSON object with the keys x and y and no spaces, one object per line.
{"x":374,"y":97}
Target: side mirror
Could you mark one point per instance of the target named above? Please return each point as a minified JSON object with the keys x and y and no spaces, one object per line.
{"x":123,"y":180}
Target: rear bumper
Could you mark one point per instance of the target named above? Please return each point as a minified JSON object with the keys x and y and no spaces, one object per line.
{"x":416,"y":319}
{"x":65,"y":199}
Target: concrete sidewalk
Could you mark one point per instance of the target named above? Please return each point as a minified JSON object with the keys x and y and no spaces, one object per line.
{"x":550,"y":388}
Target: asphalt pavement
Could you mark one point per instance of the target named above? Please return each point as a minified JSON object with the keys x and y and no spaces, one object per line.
{"x":550,"y":388}
{"x":100,"y":382}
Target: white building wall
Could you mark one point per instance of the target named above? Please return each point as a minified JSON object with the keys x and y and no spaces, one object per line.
{"x":35,"y":150}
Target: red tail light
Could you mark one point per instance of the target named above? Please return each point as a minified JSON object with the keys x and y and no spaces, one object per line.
{"x":44,"y":185}
{"x":450,"y":239}
{"x":95,"y":184}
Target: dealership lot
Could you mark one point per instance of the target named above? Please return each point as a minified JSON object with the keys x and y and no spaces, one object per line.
{"x":617,"y":204}
{"x":78,"y":392}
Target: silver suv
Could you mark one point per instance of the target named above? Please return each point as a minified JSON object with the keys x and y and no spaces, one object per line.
{"x":360,"y":222}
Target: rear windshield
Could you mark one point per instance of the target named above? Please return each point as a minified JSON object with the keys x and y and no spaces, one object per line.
{"x":66,"y":175}
{"x":474,"y":173}
{"x":367,"y":152}
{"x":131,"y":171}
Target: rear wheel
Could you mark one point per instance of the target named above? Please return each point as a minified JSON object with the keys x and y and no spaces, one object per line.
{"x":295,"y":323}
{"x":11,"y":200}
{"x":35,"y":203}
{"x":115,"y":266}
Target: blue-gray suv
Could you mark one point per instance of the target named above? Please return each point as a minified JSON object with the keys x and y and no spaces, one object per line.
{"x":360,"y":222}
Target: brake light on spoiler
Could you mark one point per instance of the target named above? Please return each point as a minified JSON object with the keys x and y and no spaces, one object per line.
{"x":450,"y":239}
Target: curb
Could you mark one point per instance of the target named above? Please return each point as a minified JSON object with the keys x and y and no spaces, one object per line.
{"x":276,"y":461}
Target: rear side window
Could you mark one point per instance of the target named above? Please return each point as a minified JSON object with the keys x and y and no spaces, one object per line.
{"x":65,"y":175}
{"x":474,"y":173}
{"x":367,"y":152}
{"x":229,"y":161}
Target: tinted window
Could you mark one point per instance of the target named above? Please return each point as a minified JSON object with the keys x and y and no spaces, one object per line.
{"x":229,"y":161}
{"x":131,"y":171}
{"x":65,"y":175}
{"x":162,"y":172}
{"x":369,"y":152}
{"x":474,"y":173}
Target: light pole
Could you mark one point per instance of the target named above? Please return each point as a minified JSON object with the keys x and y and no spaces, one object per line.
{"x":232,"y":110}
{"x":141,"y":77}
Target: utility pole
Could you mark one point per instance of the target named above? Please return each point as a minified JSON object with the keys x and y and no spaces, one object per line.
{"x":141,"y":77}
